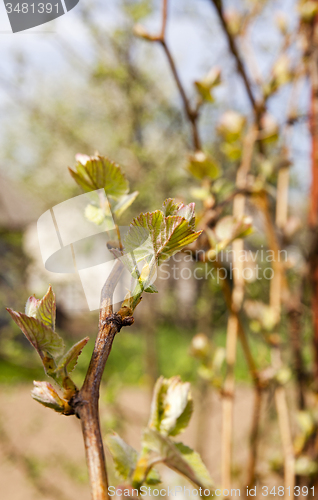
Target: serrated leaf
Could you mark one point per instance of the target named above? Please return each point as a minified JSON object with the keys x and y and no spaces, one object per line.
{"x":202,"y":165}
{"x":193,"y":459}
{"x":178,"y":457}
{"x":43,"y":309}
{"x":44,"y":339}
{"x":164,"y":236}
{"x":124,"y":202}
{"x":69,"y":360}
{"x":98,"y":172}
{"x":171,"y":406}
{"x":171,"y":207}
{"x":125,"y":457}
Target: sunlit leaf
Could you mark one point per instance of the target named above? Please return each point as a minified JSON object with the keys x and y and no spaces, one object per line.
{"x":125,"y":457}
{"x":98,"y":172}
{"x":69,"y":360}
{"x":178,"y":457}
{"x":43,"y":309}
{"x":44,"y":339}
{"x":171,"y":207}
{"x":158,"y":236}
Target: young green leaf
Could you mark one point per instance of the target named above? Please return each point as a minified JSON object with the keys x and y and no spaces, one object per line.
{"x":69,"y":360}
{"x":165,"y":235}
{"x":98,"y":172}
{"x":44,"y":339}
{"x":43,"y":309}
{"x":171,"y":207}
{"x":125,"y":457}
{"x":178,"y":457}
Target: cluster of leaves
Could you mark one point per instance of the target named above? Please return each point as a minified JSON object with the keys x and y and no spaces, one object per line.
{"x":38,"y":325}
{"x":153,"y":238}
{"x":170,"y":414}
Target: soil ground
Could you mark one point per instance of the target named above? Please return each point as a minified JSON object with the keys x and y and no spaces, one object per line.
{"x":42,"y":454}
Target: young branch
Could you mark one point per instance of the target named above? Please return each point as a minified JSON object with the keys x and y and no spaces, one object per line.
{"x":85,"y":402}
{"x":239,"y":62}
{"x":191,"y":114}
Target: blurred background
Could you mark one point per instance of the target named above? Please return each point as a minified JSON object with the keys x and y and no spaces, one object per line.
{"x":86,"y":83}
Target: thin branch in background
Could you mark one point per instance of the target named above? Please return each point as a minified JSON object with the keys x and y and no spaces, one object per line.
{"x":257,"y":108}
{"x":191,"y":114}
{"x":285,"y":430}
{"x":233,"y":321}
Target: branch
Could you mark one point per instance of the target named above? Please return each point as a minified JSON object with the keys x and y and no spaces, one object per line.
{"x":85,"y":402}
{"x":239,"y":63}
{"x":191,"y":114}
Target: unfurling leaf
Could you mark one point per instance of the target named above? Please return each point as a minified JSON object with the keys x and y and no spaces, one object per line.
{"x":158,"y":236}
{"x":69,"y":360}
{"x":202,"y":165}
{"x":171,"y":407}
{"x":176,"y":456}
{"x":45,"y":394}
{"x":98,"y":172}
{"x":171,"y":207}
{"x":43,"y":309}
{"x":40,"y":336}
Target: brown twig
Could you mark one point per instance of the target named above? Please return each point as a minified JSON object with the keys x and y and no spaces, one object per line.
{"x":191,"y":114}
{"x":85,"y":402}
{"x":257,"y":108}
